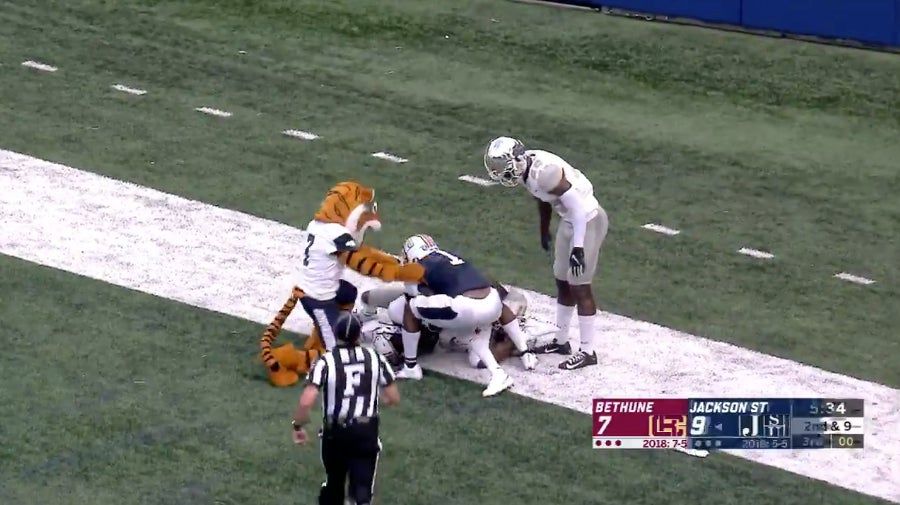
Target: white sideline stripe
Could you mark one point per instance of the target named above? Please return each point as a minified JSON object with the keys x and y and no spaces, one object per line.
{"x":756,"y":253}
{"x":661,"y":229}
{"x":854,"y":278}
{"x":389,"y":157}
{"x":39,"y":66}
{"x":223,"y":260}
{"x":300,"y":134}
{"x":213,"y":112}
{"x":477,"y":180}
{"x":131,"y":91}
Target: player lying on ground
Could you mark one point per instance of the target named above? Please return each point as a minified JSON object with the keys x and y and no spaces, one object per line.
{"x":332,"y":240}
{"x":383,"y":330}
{"x":454,"y":296}
{"x":579,"y":236}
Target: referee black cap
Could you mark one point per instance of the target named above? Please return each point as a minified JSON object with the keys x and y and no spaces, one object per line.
{"x":348,"y":328}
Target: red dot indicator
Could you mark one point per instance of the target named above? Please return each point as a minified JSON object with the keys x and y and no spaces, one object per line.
{"x":608,"y":443}
{"x":598,"y":443}
{"x":618,"y":443}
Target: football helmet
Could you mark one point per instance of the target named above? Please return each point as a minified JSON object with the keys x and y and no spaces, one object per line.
{"x":505,"y":161}
{"x":417,"y":247}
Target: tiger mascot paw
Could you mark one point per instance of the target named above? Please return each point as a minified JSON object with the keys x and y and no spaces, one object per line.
{"x":287,"y":356}
{"x":283,"y":377}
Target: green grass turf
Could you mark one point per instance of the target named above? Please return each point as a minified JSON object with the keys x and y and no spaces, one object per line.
{"x":736,"y":140}
{"x":203,"y":426}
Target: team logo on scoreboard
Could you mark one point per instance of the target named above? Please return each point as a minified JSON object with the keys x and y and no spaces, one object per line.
{"x":764,"y":425}
{"x":668,"y":425}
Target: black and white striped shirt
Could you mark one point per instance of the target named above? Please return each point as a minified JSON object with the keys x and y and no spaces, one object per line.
{"x":350,"y":379}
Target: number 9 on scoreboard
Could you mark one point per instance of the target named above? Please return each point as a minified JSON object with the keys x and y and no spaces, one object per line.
{"x":699,"y":425}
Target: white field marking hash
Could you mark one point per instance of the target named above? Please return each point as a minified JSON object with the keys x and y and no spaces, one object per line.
{"x":300,"y":134}
{"x":756,"y":253}
{"x":131,"y":91}
{"x":223,"y":260}
{"x":854,"y":278}
{"x":39,"y":66}
{"x":477,"y":180}
{"x":658,"y":228}
{"x":389,"y":157}
{"x":213,"y":112}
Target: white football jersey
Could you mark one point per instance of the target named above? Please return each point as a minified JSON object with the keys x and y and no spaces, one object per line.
{"x":320,"y":270}
{"x":544,"y":175}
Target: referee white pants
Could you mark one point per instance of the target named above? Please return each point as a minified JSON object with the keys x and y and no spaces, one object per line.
{"x":457,"y":312}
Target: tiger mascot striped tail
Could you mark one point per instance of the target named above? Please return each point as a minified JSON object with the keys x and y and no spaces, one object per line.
{"x":352,"y":205}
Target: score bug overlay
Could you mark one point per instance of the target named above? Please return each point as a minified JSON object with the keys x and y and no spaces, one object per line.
{"x":728,"y":423}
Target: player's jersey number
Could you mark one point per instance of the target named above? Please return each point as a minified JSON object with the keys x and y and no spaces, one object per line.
{"x":454,"y":260}
{"x":310,"y":238}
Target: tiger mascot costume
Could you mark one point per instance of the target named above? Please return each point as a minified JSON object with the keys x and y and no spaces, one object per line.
{"x":336,"y":233}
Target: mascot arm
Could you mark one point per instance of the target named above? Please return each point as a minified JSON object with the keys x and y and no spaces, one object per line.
{"x":373,"y":262}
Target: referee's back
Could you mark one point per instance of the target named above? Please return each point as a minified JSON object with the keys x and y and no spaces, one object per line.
{"x":351,"y":378}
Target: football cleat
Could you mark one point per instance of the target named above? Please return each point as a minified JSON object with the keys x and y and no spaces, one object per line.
{"x":413,"y":373}
{"x":553,"y":347}
{"x":529,"y":361}
{"x":578,"y":360}
{"x":500,"y":381}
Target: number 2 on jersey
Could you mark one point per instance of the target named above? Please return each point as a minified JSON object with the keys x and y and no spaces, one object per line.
{"x":310,"y":238}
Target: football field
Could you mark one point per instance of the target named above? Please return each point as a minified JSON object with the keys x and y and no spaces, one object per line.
{"x":130,"y":372}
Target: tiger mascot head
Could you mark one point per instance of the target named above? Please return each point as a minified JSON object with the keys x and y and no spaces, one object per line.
{"x":353,"y":205}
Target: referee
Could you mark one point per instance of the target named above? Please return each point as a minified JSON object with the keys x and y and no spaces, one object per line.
{"x":350,"y":377}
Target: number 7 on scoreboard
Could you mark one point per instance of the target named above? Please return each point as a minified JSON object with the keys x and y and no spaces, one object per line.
{"x":604,"y":423}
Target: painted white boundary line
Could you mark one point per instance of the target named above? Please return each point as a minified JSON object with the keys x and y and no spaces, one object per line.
{"x":756,"y":253}
{"x":131,"y":91}
{"x":855,"y":278}
{"x":223,"y":260}
{"x":300,"y":134}
{"x":389,"y":157}
{"x":661,"y":229}
{"x":477,"y":180}
{"x":213,"y":112}
{"x":39,"y":66}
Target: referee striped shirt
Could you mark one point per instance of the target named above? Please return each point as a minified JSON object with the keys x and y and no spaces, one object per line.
{"x":350,"y":378}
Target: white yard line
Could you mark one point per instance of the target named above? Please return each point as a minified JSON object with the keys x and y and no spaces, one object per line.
{"x":389,"y":157}
{"x":854,"y":278}
{"x":300,"y":134}
{"x":224,"y":260}
{"x":213,"y":112}
{"x":131,"y":91}
{"x":39,"y":66}
{"x":658,"y":228}
{"x":477,"y":180}
{"x":756,"y":253}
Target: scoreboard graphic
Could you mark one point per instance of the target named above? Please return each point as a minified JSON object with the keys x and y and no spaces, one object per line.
{"x":728,"y":423}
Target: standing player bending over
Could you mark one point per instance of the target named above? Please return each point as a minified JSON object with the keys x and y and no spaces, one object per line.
{"x":557,"y":185}
{"x":455,"y":296}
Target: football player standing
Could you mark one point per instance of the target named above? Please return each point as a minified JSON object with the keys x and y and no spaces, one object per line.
{"x":556,"y":185}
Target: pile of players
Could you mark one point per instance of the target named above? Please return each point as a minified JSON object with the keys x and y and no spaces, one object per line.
{"x":446,"y":298}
